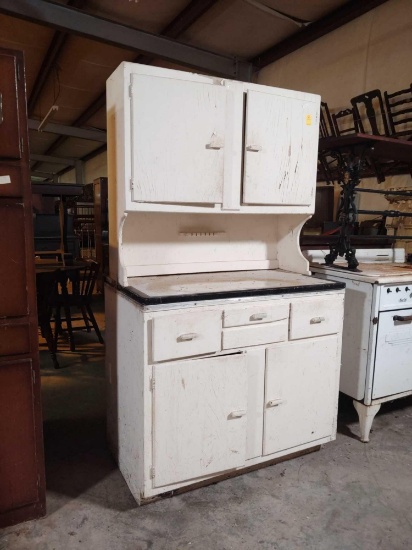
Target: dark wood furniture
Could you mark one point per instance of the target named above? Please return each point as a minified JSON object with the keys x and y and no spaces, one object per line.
{"x":369,"y":112}
{"x":399,"y":111}
{"x":101,"y":220}
{"x":344,"y":122}
{"x":76,"y":285}
{"x":22,"y":480}
{"x":352,"y":153}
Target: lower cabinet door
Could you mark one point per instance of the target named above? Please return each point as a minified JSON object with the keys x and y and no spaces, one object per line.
{"x":301,"y":392}
{"x":18,"y":458}
{"x":199,"y":418}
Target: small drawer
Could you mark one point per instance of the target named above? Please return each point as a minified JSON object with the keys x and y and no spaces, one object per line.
{"x":256,"y":335}
{"x":255,"y":314}
{"x":315,"y":317}
{"x":186,"y":334}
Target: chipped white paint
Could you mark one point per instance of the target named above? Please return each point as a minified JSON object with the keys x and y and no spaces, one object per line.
{"x":210,"y":182}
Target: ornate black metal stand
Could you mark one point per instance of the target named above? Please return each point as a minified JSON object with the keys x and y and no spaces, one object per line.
{"x":349,"y":166}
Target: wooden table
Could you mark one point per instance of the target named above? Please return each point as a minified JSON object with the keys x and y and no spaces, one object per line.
{"x":352,"y":152}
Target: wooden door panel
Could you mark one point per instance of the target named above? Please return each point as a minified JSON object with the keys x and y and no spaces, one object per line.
{"x":18,"y":460}
{"x":13,"y":276}
{"x":280,"y":150}
{"x":199,"y":418}
{"x":14,"y":339}
{"x":10,"y":146}
{"x":10,"y":180}
{"x":301,"y":391}
{"x":178,"y":140}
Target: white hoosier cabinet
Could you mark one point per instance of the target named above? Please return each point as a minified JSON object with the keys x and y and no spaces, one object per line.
{"x":222,"y":353}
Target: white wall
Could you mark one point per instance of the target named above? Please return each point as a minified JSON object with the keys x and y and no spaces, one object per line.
{"x":94,"y":168}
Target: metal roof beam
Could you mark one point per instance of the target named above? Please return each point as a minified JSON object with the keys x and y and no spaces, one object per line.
{"x":346,"y":13}
{"x":71,"y":131}
{"x":53,"y":160}
{"x":76,"y":22}
{"x":49,"y":61}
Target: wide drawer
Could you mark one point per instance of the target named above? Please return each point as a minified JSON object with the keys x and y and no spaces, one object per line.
{"x":256,"y":335}
{"x":186,"y":334}
{"x":311,"y":317}
{"x":255,"y":314}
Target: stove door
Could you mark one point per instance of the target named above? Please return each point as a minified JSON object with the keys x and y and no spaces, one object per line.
{"x":393,"y":364}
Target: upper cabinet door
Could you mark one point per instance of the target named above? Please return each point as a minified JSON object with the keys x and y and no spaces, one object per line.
{"x":281,"y":146}
{"x":10,"y":146}
{"x":178,"y":140}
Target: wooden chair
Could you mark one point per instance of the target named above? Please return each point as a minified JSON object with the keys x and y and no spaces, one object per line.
{"x":344,"y":122}
{"x":369,"y":113}
{"x":82,"y":283}
{"x":326,"y":128}
{"x":46,"y":284}
{"x":399,"y":111}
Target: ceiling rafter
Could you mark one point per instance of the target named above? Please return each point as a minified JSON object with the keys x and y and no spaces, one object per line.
{"x":189,"y":15}
{"x":346,"y":13}
{"x":50,"y":60}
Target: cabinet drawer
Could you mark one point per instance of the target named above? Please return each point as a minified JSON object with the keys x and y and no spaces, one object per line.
{"x":14,"y":339}
{"x":258,"y":313}
{"x":240,"y":337}
{"x":186,"y":334}
{"x":315,"y":317}
{"x":10,"y":180}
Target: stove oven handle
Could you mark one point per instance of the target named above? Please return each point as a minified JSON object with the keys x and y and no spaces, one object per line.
{"x":402,"y":318}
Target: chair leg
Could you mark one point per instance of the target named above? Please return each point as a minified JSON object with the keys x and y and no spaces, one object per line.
{"x":57,"y":326}
{"x":67,"y":313}
{"x":48,"y":335}
{"x":85,"y":318}
{"x":94,"y":323}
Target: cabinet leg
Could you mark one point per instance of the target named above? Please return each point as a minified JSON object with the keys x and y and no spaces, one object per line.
{"x":366,"y":415}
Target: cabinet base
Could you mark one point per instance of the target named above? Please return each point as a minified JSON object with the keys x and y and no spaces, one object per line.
{"x":227,"y":475}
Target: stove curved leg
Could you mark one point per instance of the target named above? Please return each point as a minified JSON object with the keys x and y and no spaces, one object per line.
{"x":366,"y":415}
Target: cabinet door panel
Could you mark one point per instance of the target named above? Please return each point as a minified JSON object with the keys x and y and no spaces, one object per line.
{"x":10,"y":180}
{"x":9,"y":120}
{"x":281,"y":147}
{"x":301,"y":392}
{"x":255,"y":360}
{"x":13,"y":287}
{"x":18,"y":460}
{"x":178,"y":134}
{"x":199,"y":418}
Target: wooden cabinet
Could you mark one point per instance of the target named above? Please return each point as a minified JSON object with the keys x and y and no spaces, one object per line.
{"x":11,"y":71}
{"x":197,"y":142}
{"x":199,"y":420}
{"x":22,"y":483}
{"x":211,"y":411}
{"x":280,"y":149}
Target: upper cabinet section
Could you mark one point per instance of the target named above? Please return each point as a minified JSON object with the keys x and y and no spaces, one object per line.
{"x":191,"y":143}
{"x":178,"y":140}
{"x":10,"y":145}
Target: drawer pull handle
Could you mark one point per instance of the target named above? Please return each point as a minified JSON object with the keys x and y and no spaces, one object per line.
{"x":258,"y":316}
{"x":316,"y":320}
{"x":187,"y":337}
{"x":237,"y":414}
{"x":274,"y":402}
{"x":402,"y":318}
{"x":254,"y":148}
{"x":215,"y":142}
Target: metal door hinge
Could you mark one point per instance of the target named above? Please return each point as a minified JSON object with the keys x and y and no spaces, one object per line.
{"x":152,"y":384}
{"x":33,"y":375}
{"x":375,"y":320}
{"x":131,"y":184}
{"x":152,"y":473}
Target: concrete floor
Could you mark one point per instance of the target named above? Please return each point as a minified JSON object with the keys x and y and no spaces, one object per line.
{"x":347,"y":496}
